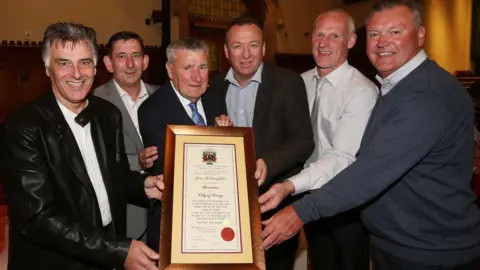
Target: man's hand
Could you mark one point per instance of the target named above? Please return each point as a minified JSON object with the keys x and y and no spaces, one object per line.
{"x":261,"y":171}
{"x":140,"y":257}
{"x":223,"y":121}
{"x":147,"y":156}
{"x":154,"y":186}
{"x":282,"y":226}
{"x":275,"y":195}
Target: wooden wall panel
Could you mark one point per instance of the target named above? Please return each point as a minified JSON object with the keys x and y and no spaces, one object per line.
{"x":10,"y":95}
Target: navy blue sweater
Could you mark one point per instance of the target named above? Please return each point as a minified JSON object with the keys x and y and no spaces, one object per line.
{"x":412,"y":174}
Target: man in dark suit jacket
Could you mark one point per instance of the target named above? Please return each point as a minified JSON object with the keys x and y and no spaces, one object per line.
{"x":273,"y":101}
{"x":65,"y":172}
{"x":126,"y":90}
{"x":413,"y":173}
{"x":182,"y":101}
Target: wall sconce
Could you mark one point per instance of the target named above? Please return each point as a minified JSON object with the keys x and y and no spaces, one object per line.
{"x":156,"y":17}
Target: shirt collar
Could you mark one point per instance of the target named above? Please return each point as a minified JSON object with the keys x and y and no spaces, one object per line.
{"x":257,"y":77}
{"x":182,"y":99}
{"x":143,"y":90}
{"x":336,"y":76}
{"x":402,"y":72}
{"x":68,"y":114}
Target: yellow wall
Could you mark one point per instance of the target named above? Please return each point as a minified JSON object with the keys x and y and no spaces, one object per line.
{"x":297,"y":19}
{"x":105,"y":16}
{"x":448,"y":25}
{"x":359,"y":11}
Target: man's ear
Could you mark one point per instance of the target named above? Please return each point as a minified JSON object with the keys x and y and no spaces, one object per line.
{"x":108,"y":63}
{"x":169,"y":70}
{"x":146,"y":59}
{"x":421,"y":36}
{"x":47,"y":71}
{"x":352,"y":40}
{"x":225,"y":48}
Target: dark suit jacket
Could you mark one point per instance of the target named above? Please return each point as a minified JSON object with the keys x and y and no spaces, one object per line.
{"x":161,"y":109}
{"x":164,"y":108}
{"x":281,"y":122}
{"x":55,"y":221}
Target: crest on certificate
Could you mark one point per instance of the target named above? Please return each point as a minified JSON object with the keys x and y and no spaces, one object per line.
{"x":209,"y":156}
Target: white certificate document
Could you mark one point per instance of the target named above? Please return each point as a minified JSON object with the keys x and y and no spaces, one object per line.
{"x":210,"y":218}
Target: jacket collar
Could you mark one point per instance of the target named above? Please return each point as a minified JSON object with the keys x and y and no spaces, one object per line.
{"x":64,"y":140}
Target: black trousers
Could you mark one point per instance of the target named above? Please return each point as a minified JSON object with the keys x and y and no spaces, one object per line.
{"x":282,"y":257}
{"x":338,"y":243}
{"x":385,"y":261}
{"x":153,"y":227}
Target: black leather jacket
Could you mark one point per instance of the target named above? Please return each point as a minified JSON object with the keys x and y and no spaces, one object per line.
{"x":55,"y":221}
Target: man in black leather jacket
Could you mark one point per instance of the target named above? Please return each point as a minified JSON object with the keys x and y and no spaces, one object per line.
{"x":64,"y":169}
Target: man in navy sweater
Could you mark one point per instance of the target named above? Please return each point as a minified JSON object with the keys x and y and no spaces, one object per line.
{"x":412,"y":175}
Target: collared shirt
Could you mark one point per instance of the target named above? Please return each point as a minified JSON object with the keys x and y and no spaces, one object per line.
{"x":241,"y":100}
{"x":391,"y":80}
{"x":133,"y":105}
{"x":346,"y":100}
{"x":85,"y":144}
{"x":185,"y":103}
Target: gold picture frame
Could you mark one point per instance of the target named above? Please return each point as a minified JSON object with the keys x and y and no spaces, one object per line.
{"x":210,"y":212}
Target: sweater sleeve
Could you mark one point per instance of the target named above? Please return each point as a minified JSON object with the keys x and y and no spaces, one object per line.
{"x":412,"y":129}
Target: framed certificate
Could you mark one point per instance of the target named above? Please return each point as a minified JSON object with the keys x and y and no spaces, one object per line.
{"x":210,"y":213}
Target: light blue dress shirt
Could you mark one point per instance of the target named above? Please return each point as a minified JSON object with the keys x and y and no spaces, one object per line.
{"x":241,"y":101}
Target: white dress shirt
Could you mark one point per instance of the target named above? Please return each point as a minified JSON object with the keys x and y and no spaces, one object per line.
{"x":85,"y":144}
{"x":133,"y":105}
{"x":185,"y":103}
{"x":346,"y":100}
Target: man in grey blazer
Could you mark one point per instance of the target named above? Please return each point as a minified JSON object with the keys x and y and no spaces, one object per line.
{"x":126,"y":90}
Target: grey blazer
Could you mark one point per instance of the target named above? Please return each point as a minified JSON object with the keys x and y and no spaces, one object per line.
{"x":133,"y":144}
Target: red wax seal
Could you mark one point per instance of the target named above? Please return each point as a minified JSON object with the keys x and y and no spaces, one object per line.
{"x":228,"y":234}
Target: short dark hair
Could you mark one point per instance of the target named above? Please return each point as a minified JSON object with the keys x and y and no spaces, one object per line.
{"x":413,"y":6}
{"x":124,"y":35}
{"x":64,"y":32}
{"x":244,"y":19}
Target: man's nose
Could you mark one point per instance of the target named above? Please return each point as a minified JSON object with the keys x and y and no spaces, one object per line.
{"x":130,"y":63}
{"x":324,"y":42}
{"x":382,"y":41}
{"x":195,"y":75}
{"x":76,"y":72}
{"x":246,"y":53}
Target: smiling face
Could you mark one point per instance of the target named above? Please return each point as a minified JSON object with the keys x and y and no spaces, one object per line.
{"x":71,"y":73}
{"x":393,"y":39}
{"x":331,"y":41}
{"x":245,"y":50}
{"x":127,"y":62}
{"x":189,"y":73}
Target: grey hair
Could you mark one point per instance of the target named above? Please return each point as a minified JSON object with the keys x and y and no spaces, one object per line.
{"x":63,"y":33}
{"x":188,"y":43}
{"x":351,"y":22}
{"x":414,"y":7}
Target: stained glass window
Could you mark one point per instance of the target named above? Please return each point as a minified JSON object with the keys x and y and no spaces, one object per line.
{"x":225,"y":9}
{"x":212,"y":56}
